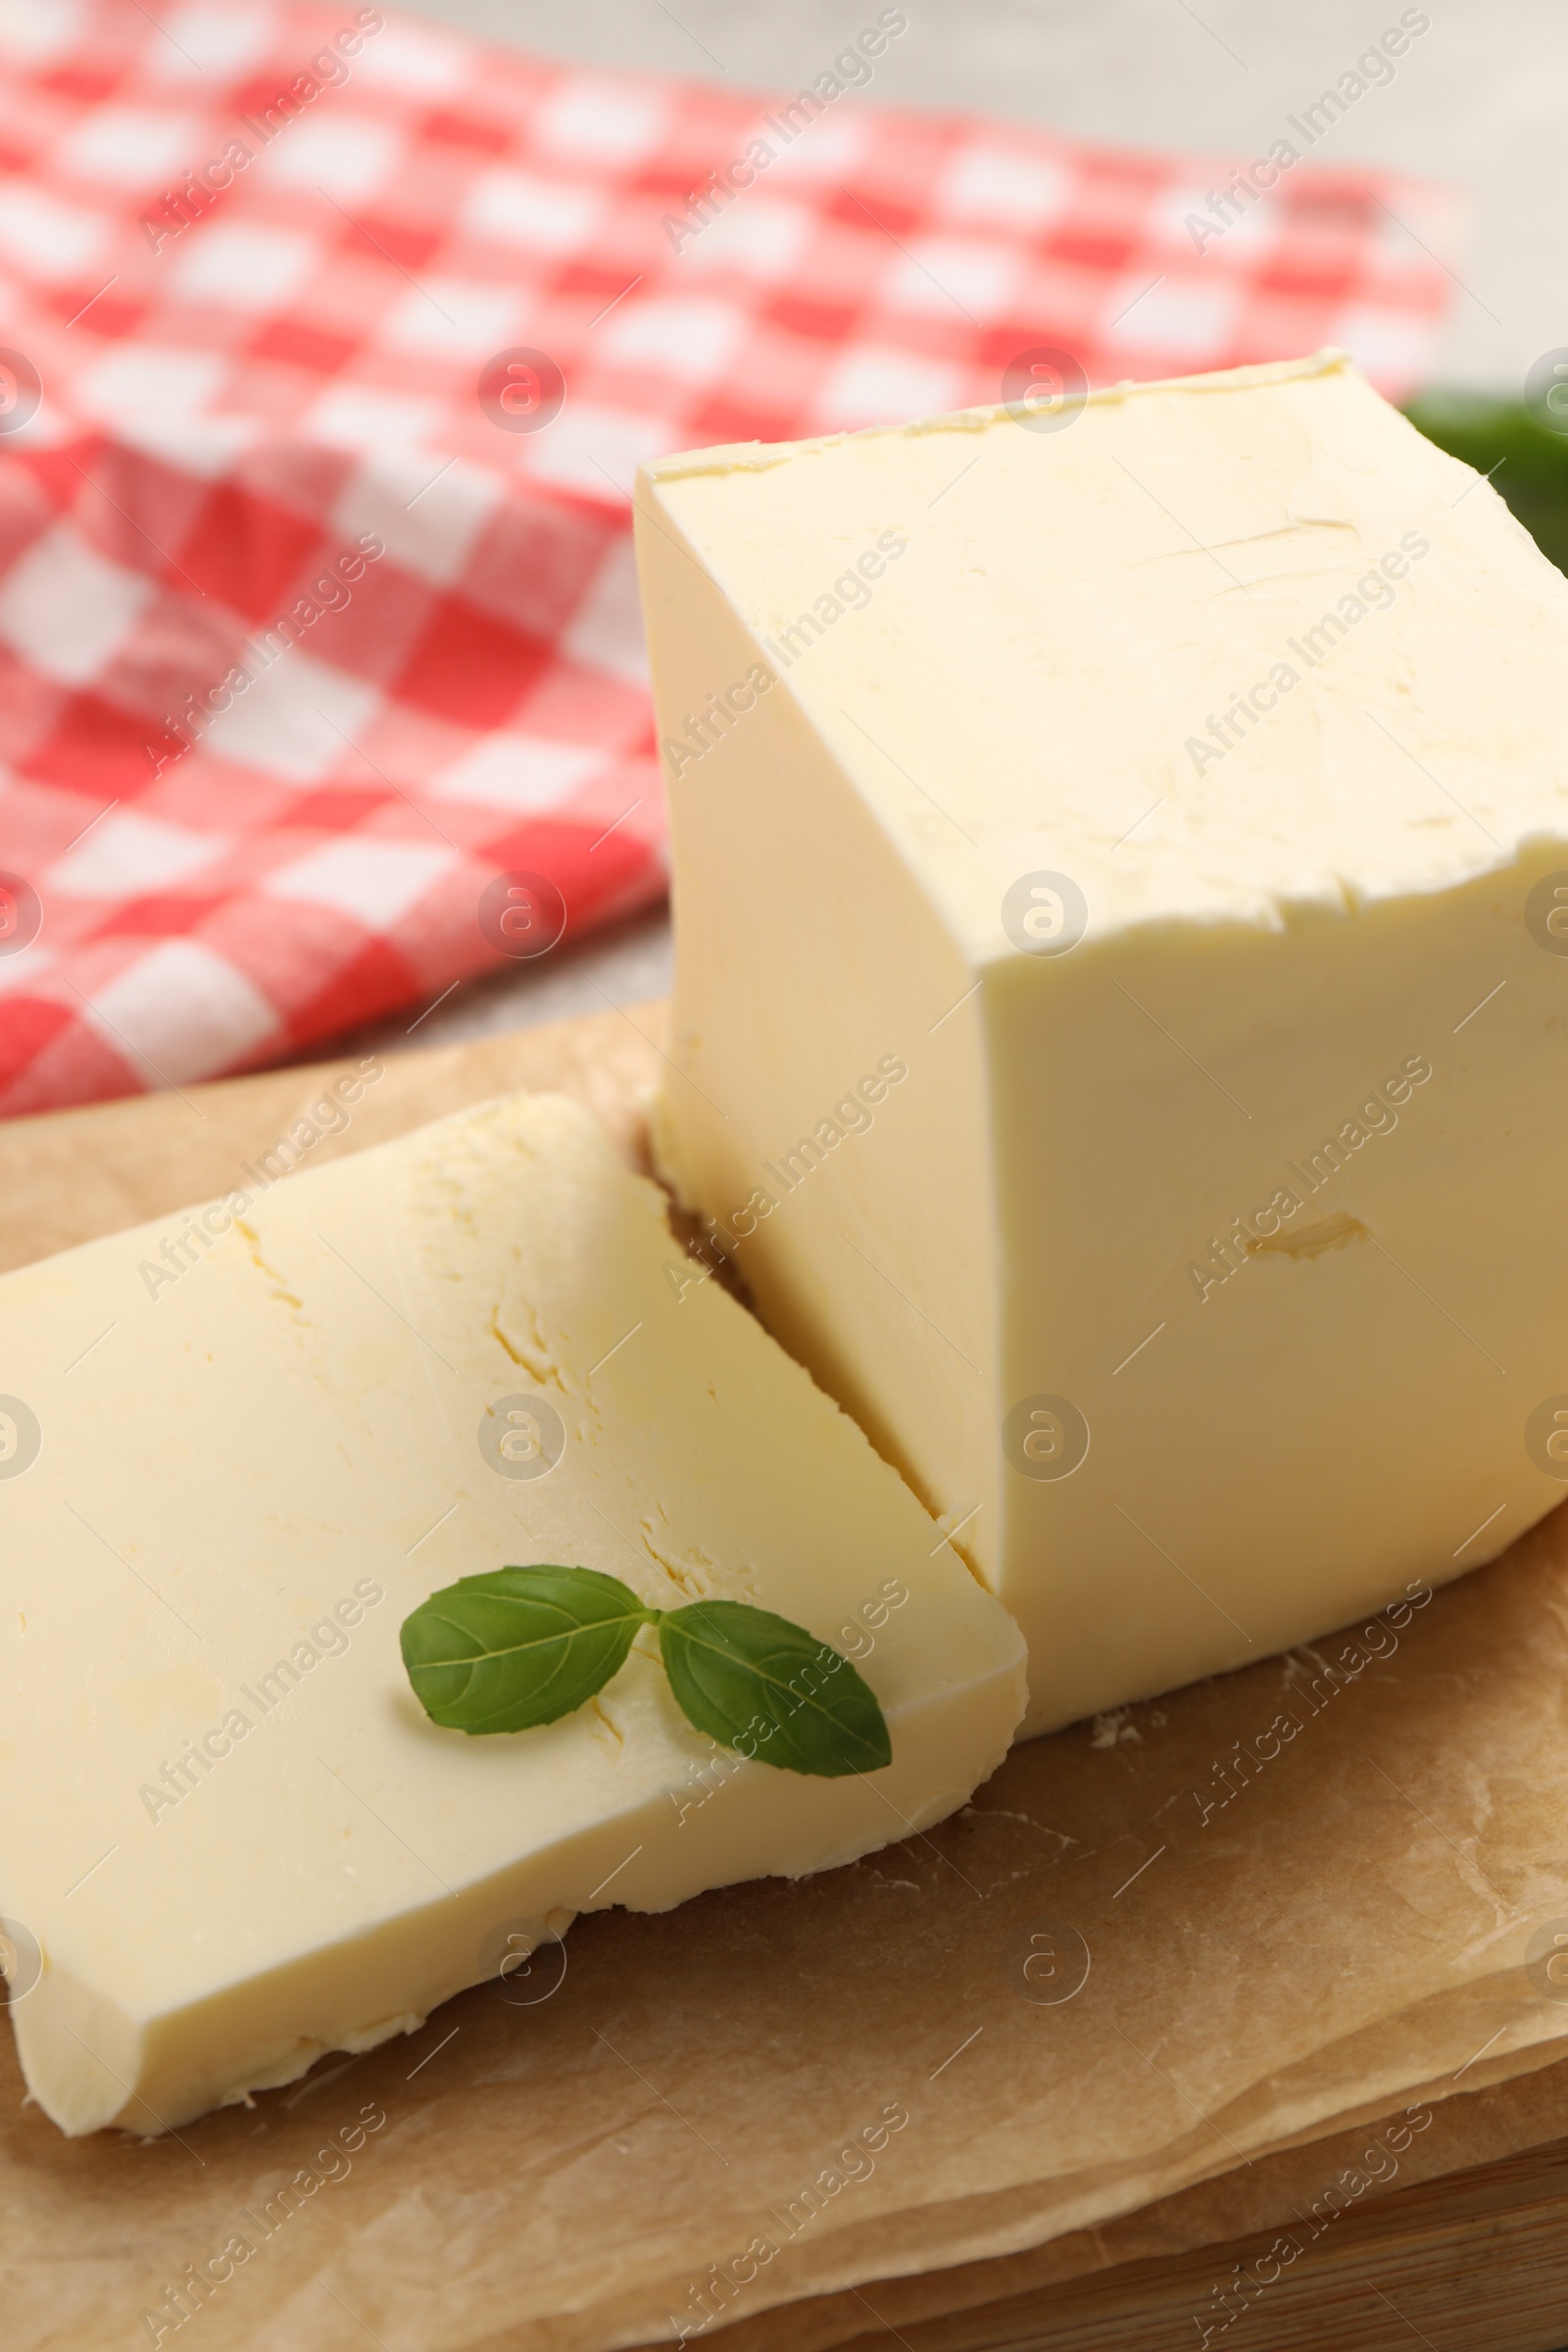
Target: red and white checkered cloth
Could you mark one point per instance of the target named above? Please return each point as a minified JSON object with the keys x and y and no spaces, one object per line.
{"x":233,"y":404}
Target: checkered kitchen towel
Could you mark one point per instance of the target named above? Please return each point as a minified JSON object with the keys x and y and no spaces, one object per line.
{"x":328,"y":343}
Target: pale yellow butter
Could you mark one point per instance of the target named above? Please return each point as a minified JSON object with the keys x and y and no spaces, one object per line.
{"x":229,"y":1839}
{"x":1176,"y":792}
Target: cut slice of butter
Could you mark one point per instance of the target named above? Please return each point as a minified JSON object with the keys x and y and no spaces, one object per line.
{"x":235,"y":1450}
{"x":1121,"y":894}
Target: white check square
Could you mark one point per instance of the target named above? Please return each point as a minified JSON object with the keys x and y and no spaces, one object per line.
{"x":132,"y":146}
{"x":590,"y":119}
{"x":65,"y":608}
{"x":531,"y":212}
{"x":182,"y":1011}
{"x":375,"y":882}
{"x":297,"y":722}
{"x":605,"y":632}
{"x":247,"y":267}
{"x":525,"y":773}
{"x":45,"y":238}
{"x":427,"y":510}
{"x":130,"y":854}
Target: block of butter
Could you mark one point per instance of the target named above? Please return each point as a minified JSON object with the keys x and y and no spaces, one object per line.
{"x":1121,"y":894}
{"x":236,"y":1450}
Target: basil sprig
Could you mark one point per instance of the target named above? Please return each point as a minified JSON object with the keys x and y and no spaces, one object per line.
{"x":526,"y":1646}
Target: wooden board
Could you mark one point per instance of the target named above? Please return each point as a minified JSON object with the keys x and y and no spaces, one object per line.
{"x":1472,"y":2263}
{"x":1461,"y":2254}
{"x":1475,"y":2261}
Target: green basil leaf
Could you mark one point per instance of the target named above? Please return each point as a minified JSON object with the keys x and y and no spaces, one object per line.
{"x":519,"y":1646}
{"x":758,"y":1684}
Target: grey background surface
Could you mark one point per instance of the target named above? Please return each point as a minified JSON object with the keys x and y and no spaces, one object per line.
{"x":1481,"y":100}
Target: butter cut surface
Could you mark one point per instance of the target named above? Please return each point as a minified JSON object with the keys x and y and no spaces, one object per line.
{"x":229,"y":1839}
{"x":1120,"y":988}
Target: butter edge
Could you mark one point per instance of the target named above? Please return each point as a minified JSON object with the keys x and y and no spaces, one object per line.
{"x":757,"y":457}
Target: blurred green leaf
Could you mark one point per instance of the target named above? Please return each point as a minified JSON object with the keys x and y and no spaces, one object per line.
{"x":1528,"y":463}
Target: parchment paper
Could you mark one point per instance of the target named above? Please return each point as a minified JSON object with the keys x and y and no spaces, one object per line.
{"x":781,"y":2090}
